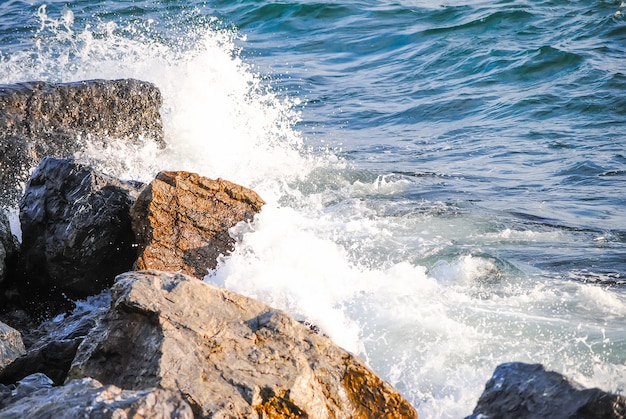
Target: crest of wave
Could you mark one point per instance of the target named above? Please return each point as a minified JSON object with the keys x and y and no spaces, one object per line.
{"x":220,"y":120}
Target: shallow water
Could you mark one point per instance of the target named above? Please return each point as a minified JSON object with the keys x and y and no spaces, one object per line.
{"x":444,"y":181}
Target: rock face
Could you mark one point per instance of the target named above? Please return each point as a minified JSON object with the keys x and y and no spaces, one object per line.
{"x":228,"y":355}
{"x":11,"y":345}
{"x":529,"y":391}
{"x":87,"y":398}
{"x":181,"y":221}
{"x":40,"y":119}
{"x":76,"y":231}
{"x":8,"y":247}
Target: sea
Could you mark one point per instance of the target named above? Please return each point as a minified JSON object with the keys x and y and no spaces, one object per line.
{"x":445,"y":180}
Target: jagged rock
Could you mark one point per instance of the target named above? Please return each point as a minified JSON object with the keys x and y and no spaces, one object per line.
{"x":11,"y":345}
{"x":51,"y":347}
{"x":228,"y":355}
{"x":529,"y":391}
{"x":76,"y":232}
{"x":181,"y":221}
{"x":25,"y":387}
{"x":53,"y":359}
{"x":8,"y":246}
{"x":87,"y":398}
{"x":39,"y":119}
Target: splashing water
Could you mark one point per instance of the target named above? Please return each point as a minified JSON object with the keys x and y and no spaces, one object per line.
{"x":415,"y":286}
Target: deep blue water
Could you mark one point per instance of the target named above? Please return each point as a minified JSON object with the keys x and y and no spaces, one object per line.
{"x":452,"y":176}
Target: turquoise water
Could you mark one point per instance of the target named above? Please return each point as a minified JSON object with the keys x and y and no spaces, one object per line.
{"x":446,"y":181}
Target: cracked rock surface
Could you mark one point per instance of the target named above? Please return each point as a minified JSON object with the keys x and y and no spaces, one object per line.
{"x":228,"y":355}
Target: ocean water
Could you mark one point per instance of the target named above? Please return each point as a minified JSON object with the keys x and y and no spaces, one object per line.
{"x":445,"y":181}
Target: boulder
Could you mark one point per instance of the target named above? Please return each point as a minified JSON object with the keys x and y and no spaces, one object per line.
{"x":8,"y":247}
{"x":76,"y":231}
{"x":227,"y":355}
{"x":11,"y":345}
{"x":87,"y":398}
{"x":181,"y":221}
{"x":39,"y":119}
{"x":529,"y":391}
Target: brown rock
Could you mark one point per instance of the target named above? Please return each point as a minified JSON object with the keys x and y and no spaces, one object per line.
{"x":87,"y":398}
{"x":228,"y":355}
{"x":39,"y":119}
{"x":181,"y":221}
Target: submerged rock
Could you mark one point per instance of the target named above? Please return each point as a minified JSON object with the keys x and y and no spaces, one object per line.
{"x":76,"y":230}
{"x":11,"y":345}
{"x":529,"y":391}
{"x":87,"y":398}
{"x":228,"y":355}
{"x":39,"y":119}
{"x":181,"y":221}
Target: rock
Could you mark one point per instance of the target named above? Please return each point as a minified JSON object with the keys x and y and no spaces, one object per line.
{"x":529,"y":391}
{"x":181,"y":221}
{"x":51,"y":346}
{"x":87,"y":398}
{"x":9,"y":250}
{"x":8,"y":246}
{"x":26,"y":387}
{"x":11,"y":345}
{"x":39,"y":119}
{"x":228,"y":355}
{"x":53,"y":359}
{"x":76,"y":231}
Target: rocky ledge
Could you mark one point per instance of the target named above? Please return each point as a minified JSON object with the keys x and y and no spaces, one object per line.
{"x":103,"y":312}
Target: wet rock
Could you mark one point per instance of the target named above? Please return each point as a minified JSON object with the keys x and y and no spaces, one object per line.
{"x":529,"y":391}
{"x":76,"y":231}
{"x":24,"y":388}
{"x":39,"y":119}
{"x":181,"y":221}
{"x":11,"y":345}
{"x":87,"y":398}
{"x":53,"y":359}
{"x":228,"y":355}
{"x":51,"y":347}
{"x":8,"y":247}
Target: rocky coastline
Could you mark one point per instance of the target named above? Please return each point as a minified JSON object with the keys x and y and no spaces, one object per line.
{"x":103,"y":312}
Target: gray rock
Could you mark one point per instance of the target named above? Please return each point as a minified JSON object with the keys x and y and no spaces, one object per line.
{"x":76,"y":230}
{"x":228,"y":355}
{"x":52,"y":345}
{"x":11,"y":345}
{"x":39,"y":119}
{"x":529,"y":391}
{"x":87,"y":398}
{"x":8,"y":247}
{"x":25,"y":387}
